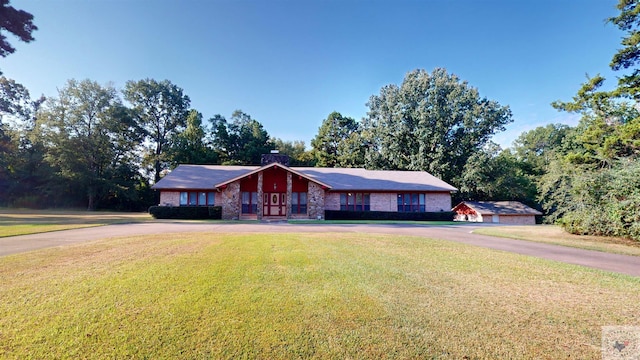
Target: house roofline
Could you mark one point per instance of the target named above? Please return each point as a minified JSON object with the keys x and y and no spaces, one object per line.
{"x":265,"y":167}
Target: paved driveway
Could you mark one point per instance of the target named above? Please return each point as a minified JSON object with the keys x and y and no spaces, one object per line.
{"x":460,"y":233}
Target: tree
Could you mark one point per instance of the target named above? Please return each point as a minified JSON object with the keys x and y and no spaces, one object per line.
{"x":536,"y":148}
{"x":219,"y":138}
{"x":330,"y":144}
{"x":431,"y":122}
{"x":496,"y":174}
{"x":240,"y":142}
{"x":17,"y":22}
{"x":595,"y":201}
{"x":252,"y":138}
{"x":91,"y":138}
{"x":15,"y":102}
{"x":629,"y":56}
{"x":190,"y":146}
{"x":609,"y":127}
{"x":22,"y":167}
{"x":593,"y":187}
{"x":297,"y":152}
{"x":161,"y":109}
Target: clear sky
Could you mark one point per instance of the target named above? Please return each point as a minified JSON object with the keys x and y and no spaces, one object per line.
{"x":289,"y":63}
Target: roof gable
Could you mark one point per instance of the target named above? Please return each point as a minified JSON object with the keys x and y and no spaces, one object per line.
{"x":275,"y":164}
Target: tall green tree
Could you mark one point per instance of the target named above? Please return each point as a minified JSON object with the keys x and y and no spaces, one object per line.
{"x":628,"y":56}
{"x":536,"y":148}
{"x":190,"y":146}
{"x":332,"y":146}
{"x":593,"y":188}
{"x":91,"y":137}
{"x":252,"y":138}
{"x":241,"y":141}
{"x":609,"y":126}
{"x":22,"y":167}
{"x":161,"y":109}
{"x":496,"y":174}
{"x":432,"y":122}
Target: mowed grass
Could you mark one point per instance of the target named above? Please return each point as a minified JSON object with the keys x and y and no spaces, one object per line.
{"x":22,"y":222}
{"x":553,"y":234}
{"x":283,"y":296}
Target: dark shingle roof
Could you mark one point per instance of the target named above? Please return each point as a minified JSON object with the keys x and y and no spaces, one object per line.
{"x":350,"y":179}
{"x":338,"y":179}
{"x":200,"y":176}
{"x":500,"y":208}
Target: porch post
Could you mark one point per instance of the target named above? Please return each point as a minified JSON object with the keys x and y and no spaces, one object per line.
{"x":289,"y":188}
{"x":260,"y":211}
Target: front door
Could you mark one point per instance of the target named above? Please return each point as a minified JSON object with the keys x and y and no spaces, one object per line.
{"x":275,"y":204}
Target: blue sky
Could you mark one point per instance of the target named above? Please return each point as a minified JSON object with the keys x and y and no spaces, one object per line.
{"x":289,"y":63}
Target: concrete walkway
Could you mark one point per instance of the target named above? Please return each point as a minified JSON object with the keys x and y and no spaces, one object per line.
{"x":624,"y":264}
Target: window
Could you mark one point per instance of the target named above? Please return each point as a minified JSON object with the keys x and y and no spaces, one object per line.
{"x":299,"y":203}
{"x":197,"y":198}
{"x":411,"y":202}
{"x":355,"y":201}
{"x":249,"y":202}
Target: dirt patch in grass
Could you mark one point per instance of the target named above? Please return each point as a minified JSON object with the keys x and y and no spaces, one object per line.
{"x":324,"y":296}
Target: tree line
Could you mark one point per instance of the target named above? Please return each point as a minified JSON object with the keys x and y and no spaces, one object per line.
{"x":93,"y":146}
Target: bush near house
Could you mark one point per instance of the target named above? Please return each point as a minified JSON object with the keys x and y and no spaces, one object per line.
{"x":388,"y":215}
{"x":186,"y":212}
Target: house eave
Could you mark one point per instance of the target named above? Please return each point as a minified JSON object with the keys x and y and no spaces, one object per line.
{"x":224,"y":184}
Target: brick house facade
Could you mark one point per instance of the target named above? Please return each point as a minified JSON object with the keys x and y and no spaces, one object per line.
{"x":277,"y":191}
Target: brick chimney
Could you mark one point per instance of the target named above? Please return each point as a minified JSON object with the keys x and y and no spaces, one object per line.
{"x":276,"y":157}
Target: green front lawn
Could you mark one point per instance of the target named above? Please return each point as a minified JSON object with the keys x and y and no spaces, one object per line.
{"x":281,"y":296}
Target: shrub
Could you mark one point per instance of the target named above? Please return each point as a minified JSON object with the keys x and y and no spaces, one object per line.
{"x":186,"y":212}
{"x":388,"y":215}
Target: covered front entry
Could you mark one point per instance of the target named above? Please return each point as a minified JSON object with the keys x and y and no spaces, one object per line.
{"x":275,"y":204}
{"x":272,"y":192}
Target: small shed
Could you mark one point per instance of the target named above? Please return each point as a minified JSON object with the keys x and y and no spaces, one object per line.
{"x":503,"y":212}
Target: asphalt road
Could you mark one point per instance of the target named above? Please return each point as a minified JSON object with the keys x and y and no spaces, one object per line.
{"x":460,"y":233}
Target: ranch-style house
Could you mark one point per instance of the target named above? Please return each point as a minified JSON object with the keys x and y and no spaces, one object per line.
{"x":275,"y":190}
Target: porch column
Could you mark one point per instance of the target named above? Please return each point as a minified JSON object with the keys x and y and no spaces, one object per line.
{"x":260,"y":212}
{"x":289,"y":188}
